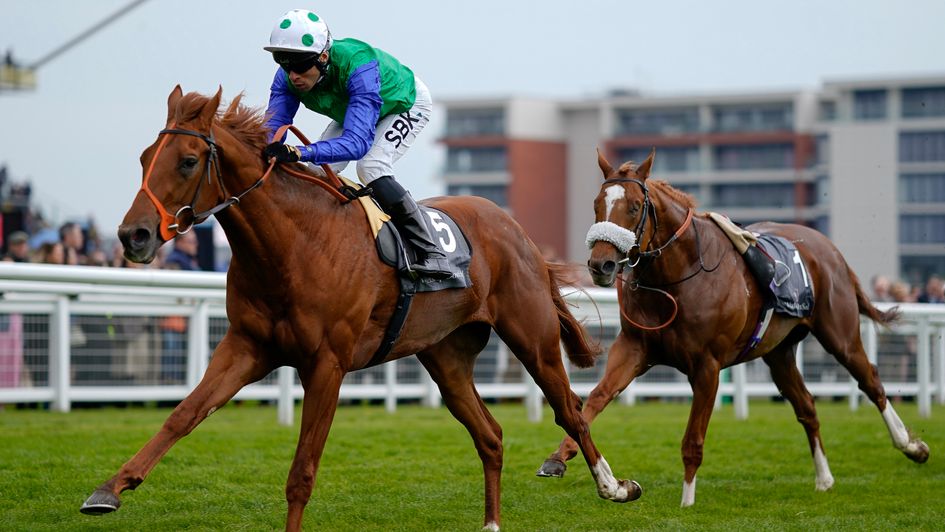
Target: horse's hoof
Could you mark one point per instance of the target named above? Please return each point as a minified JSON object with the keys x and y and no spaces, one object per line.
{"x":632,"y":489}
{"x":100,"y":502}
{"x":920,"y":454}
{"x":552,"y":468}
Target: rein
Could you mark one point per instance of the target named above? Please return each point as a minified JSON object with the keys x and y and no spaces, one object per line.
{"x":171,"y":225}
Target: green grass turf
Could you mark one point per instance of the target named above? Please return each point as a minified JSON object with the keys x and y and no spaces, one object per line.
{"x":417,"y":470}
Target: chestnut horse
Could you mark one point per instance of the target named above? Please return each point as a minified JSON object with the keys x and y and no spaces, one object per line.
{"x":306,"y":289}
{"x":690,"y":302}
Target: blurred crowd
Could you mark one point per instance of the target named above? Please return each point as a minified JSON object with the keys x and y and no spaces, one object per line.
{"x":898,"y":291}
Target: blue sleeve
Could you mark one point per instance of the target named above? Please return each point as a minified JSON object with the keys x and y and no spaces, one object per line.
{"x":364,"y":108}
{"x":282,"y":104}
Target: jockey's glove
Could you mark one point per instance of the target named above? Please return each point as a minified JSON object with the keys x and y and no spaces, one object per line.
{"x":282,"y":153}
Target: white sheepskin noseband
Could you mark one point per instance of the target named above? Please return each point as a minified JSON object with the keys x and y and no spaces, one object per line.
{"x":622,"y":238}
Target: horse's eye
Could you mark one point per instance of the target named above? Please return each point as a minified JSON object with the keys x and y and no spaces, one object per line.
{"x":187,"y":164}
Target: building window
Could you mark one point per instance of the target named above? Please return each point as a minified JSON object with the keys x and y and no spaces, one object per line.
{"x":922,"y":188}
{"x":475,"y":122}
{"x":669,"y":159}
{"x":498,"y":194}
{"x":821,"y":190}
{"x":923,"y":102}
{"x":822,"y":224}
{"x":916,"y":270}
{"x":768,"y":117}
{"x":464,"y":160}
{"x":754,"y":156}
{"x":922,"y":228}
{"x":869,"y":104}
{"x":754,"y":195}
{"x":822,"y":149}
{"x":828,"y":110}
{"x":921,"y":146}
{"x":657,"y":121}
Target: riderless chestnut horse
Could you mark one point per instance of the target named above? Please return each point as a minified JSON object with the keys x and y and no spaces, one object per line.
{"x":688,"y":301}
{"x":306,"y":289}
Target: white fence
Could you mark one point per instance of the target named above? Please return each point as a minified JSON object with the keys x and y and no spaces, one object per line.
{"x":72,"y":334}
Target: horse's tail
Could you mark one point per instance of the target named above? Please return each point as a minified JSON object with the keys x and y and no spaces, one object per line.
{"x":866,"y":306}
{"x":582,"y":351}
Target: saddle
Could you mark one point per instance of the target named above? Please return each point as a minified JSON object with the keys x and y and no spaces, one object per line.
{"x":392,"y":251}
{"x":787,"y":287}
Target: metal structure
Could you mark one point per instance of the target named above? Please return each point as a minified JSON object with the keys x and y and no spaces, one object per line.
{"x":73,"y":334}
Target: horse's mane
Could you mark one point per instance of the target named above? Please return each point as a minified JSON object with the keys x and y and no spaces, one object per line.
{"x":629,"y":169}
{"x":245,"y":123}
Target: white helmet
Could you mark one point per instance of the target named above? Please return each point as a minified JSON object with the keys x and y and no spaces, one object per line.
{"x":299,"y":30}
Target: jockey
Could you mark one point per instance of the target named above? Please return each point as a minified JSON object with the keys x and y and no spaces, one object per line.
{"x":377,"y":106}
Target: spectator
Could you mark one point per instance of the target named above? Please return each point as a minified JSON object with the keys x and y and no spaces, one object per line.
{"x":18,"y":247}
{"x":934,"y":291}
{"x":73,"y":242}
{"x":881,"y":286}
{"x":184,"y":254}
{"x":174,"y":328}
{"x":901,"y":292}
{"x":51,"y":253}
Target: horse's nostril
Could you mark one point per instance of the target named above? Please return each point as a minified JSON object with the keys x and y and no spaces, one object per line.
{"x":140,"y":236}
{"x":608,"y":267}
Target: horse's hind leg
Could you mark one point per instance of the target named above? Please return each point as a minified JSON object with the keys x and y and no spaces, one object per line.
{"x":624,"y":363}
{"x":704,"y":380}
{"x":235,"y":364}
{"x":842,"y":340}
{"x":535,"y":341}
{"x":450,"y":364}
{"x":789,"y":381}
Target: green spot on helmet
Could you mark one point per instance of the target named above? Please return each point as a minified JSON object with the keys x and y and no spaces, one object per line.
{"x":299,"y":30}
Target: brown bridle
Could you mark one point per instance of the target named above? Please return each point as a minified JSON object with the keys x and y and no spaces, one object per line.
{"x":650,"y":254}
{"x":171,"y":225}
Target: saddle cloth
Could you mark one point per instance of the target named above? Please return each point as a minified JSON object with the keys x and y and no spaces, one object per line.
{"x":445,"y":233}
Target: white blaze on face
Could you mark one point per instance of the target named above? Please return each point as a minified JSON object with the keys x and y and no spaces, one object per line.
{"x":611,"y":195}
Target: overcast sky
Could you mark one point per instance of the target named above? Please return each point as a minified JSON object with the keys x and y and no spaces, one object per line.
{"x":78,"y":136}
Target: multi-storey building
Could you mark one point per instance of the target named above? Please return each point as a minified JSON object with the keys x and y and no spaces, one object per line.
{"x":863,"y":161}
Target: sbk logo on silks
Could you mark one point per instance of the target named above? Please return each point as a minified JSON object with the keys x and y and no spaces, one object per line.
{"x":400,"y":129}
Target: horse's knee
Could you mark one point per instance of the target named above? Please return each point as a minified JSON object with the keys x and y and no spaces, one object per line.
{"x":298,"y":489}
{"x":692,"y":452}
{"x":182,"y":420}
{"x":491,"y":454}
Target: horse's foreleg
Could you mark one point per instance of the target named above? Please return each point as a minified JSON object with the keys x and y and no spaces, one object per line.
{"x":786,"y":376}
{"x":322,"y":384}
{"x":234,"y":365}
{"x":624,"y":363}
{"x":546,"y":368}
{"x":705,"y":384}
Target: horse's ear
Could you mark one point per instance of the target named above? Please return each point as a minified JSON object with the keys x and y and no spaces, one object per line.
{"x":643,"y":171}
{"x":209,"y":110}
{"x":172,"y":100}
{"x":234,"y":105}
{"x":604,"y":165}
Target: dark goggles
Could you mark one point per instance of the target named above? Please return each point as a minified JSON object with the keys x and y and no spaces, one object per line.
{"x":295,"y":62}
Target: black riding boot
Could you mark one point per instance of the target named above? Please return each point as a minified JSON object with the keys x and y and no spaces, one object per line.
{"x":407,"y":217}
{"x":761,"y":266}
